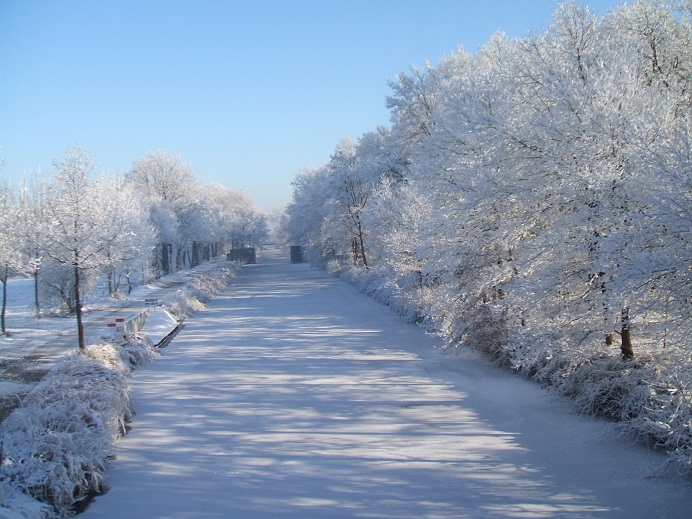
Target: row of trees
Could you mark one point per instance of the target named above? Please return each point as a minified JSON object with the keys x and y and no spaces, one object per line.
{"x":533,"y":199}
{"x":75,"y":229}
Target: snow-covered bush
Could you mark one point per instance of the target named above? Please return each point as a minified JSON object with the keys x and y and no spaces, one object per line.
{"x":209,"y":285}
{"x":56,"y":444}
{"x":14,"y":504}
{"x":377,"y":283}
{"x":663,"y":413}
{"x":139,"y":350}
{"x":190,"y":299}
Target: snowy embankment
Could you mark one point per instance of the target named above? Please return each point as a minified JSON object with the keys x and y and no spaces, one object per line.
{"x":55,"y":445}
{"x":647,"y":401}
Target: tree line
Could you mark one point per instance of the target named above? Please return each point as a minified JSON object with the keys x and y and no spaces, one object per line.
{"x":532,"y":199}
{"x":76,"y":230}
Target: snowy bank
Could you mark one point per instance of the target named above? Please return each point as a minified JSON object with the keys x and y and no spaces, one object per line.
{"x":55,"y":446}
{"x":648,"y":400}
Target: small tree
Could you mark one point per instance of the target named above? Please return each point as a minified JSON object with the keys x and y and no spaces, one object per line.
{"x":128,"y":236}
{"x":350,"y":190}
{"x":10,"y":257}
{"x":77,"y":233}
{"x":30,"y":223}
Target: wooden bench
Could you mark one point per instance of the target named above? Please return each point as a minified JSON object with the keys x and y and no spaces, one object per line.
{"x":151,"y":302}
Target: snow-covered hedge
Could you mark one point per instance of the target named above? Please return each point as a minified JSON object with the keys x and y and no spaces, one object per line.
{"x":56,"y":444}
{"x":646,"y":398}
{"x":377,"y":283}
{"x":186,"y":301}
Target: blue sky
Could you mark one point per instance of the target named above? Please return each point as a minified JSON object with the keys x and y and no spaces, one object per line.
{"x":247,"y":92}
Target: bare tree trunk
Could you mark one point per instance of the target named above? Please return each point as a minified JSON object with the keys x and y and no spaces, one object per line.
{"x":194,"y":255}
{"x":111,"y":291}
{"x":78,"y":308}
{"x":36,"y":300}
{"x":165,"y":260}
{"x":362,"y":246}
{"x":5,"y":275}
{"x":626,"y":337}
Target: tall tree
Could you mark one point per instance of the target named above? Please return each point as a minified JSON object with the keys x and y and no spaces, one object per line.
{"x":11,"y":259}
{"x":306,"y":213}
{"x":129,"y":238}
{"x":77,"y":232}
{"x":169,"y":187}
{"x":31,"y":225}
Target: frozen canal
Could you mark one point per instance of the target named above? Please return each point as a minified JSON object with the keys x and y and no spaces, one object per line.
{"x":292,"y":395}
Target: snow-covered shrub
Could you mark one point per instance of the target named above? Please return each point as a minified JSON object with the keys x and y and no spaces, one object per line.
{"x":609,"y":386}
{"x":132,"y":350}
{"x":139,"y":350}
{"x":56,"y":444}
{"x":682,"y":459}
{"x":189,"y":300}
{"x":181,"y":305}
{"x":664,"y":416}
{"x":208,"y":285}
{"x":334,"y":267}
{"x":14,"y":504}
{"x":378,"y":283}
{"x":545,"y":357}
{"x":640,"y":394}
{"x":484,"y":327}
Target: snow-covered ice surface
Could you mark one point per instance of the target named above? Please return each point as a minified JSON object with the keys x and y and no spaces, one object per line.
{"x":292,"y":395}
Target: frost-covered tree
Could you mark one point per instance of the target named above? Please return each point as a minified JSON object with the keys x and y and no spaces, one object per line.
{"x":129,"y":238}
{"x":234,"y":220}
{"x":11,"y":259}
{"x":213,"y":213}
{"x":306,"y":213}
{"x":193,"y":221}
{"x":162,"y":175}
{"x":78,"y":230}
{"x":350,"y":193}
{"x":168,"y":185}
{"x":351,"y":177}
{"x":414,"y":101}
{"x":31,"y":224}
{"x":165,"y":222}
{"x":247,"y":226}
{"x":652,"y":248}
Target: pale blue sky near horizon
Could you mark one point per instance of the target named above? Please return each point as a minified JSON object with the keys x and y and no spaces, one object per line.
{"x":248,"y":93}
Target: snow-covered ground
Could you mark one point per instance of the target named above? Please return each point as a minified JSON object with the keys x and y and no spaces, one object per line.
{"x":54,"y":337}
{"x":293,"y":395}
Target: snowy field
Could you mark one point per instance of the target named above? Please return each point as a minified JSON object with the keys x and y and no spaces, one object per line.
{"x":293,"y":395}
